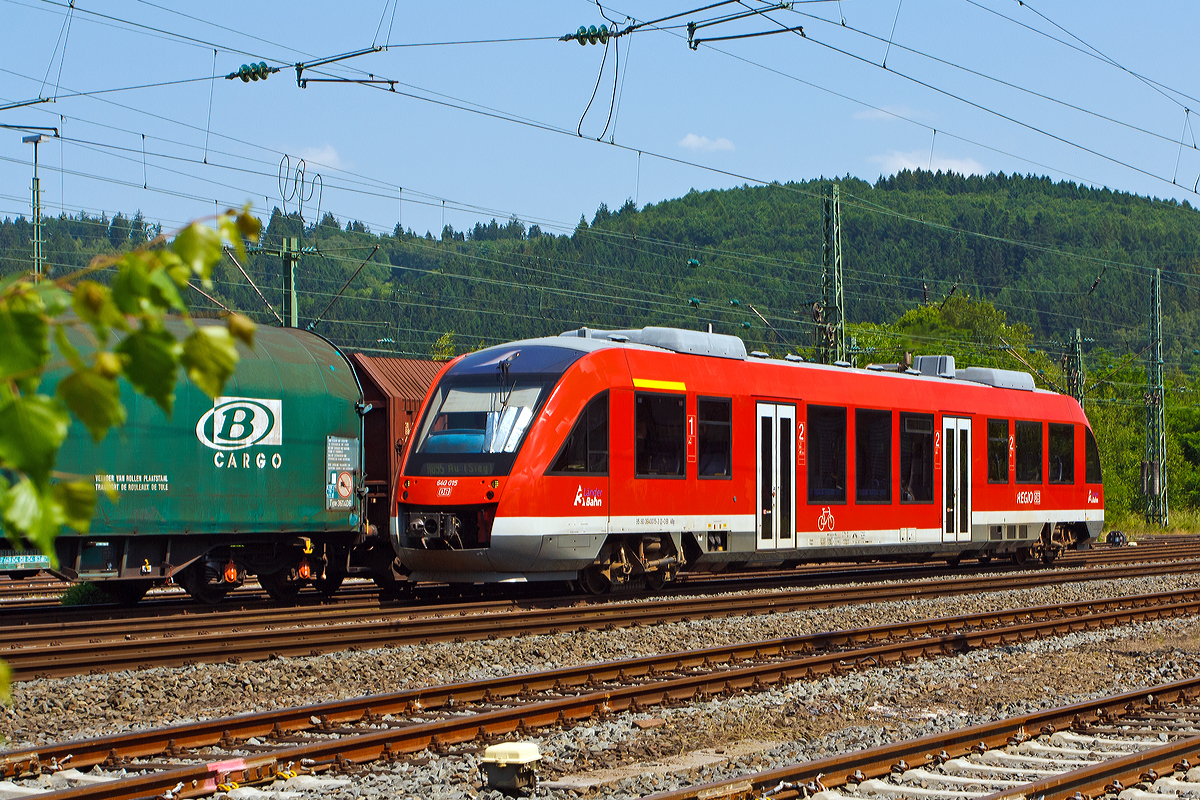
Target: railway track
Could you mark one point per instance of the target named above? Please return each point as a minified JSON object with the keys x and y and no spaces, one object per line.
{"x":171,"y":601}
{"x":71,"y":648}
{"x":195,"y":758}
{"x":1138,"y":746}
{"x":35,"y":599}
{"x":66,"y":649}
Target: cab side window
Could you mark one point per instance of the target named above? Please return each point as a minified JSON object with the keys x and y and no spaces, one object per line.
{"x":586,"y":450}
{"x":658,"y":435}
{"x":1091,"y":458}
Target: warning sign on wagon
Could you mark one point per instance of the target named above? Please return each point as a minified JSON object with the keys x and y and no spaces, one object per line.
{"x":341,"y":465}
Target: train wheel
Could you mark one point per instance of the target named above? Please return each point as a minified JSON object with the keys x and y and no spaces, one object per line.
{"x":195,"y":582}
{"x":953,"y":561}
{"x":390,"y":587}
{"x":1048,"y":555}
{"x":283,"y":586}
{"x":1021,"y":557}
{"x":334,"y":572}
{"x":593,"y":581}
{"x":329,"y":585}
{"x":984,"y":558}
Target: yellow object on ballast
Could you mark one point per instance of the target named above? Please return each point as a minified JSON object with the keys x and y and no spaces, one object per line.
{"x":507,"y":753}
{"x":511,"y":765}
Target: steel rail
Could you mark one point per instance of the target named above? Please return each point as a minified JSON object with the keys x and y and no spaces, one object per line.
{"x":245,"y":642}
{"x":833,"y":771}
{"x":42,"y":610}
{"x":1095,"y":779}
{"x":647,"y":691}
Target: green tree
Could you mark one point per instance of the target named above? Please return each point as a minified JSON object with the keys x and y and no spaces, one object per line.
{"x":125,"y":322}
{"x":443,"y":348}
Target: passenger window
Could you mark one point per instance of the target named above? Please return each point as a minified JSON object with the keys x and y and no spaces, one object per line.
{"x":997,"y":450}
{"x":1029,"y":452}
{"x":658,"y":436}
{"x":1091,"y":456}
{"x":715,"y":431}
{"x":873,"y":462}
{"x":586,"y":450}
{"x":916,"y":458}
{"x":1061,"y":467}
{"x":826,"y":454}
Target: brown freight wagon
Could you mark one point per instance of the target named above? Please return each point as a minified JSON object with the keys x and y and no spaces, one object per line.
{"x":394,"y":387}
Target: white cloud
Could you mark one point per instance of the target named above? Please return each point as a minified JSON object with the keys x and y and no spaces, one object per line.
{"x":325,"y":155}
{"x":894,"y":161}
{"x":702,"y":144}
{"x":886,"y":113}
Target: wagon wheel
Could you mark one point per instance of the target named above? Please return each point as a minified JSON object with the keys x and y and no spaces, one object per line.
{"x":391,"y":587}
{"x":1048,"y":555}
{"x":194,"y":581}
{"x":593,"y":580}
{"x":984,"y":558}
{"x":329,"y":585}
{"x":1020,"y":557}
{"x":656,"y":580}
{"x":283,"y":586}
{"x":335,"y":573}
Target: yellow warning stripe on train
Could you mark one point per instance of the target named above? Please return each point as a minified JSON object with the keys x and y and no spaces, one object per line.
{"x":671,"y":386}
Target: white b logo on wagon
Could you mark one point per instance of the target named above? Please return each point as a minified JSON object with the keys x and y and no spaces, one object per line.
{"x":235,"y":423}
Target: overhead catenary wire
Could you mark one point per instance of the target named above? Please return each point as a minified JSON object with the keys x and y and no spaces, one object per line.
{"x":686,"y":162}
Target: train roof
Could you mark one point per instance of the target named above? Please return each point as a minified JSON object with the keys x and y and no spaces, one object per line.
{"x":725,"y":346}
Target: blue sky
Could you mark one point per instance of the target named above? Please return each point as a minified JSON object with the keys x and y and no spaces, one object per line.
{"x":1090,"y":91}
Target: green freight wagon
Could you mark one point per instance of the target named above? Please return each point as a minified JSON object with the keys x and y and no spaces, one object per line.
{"x":267,"y":479}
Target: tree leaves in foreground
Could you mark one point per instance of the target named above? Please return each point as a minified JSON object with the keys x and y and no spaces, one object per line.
{"x":125,"y":323}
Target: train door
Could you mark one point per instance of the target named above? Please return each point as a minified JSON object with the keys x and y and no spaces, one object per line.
{"x":956,"y":471}
{"x":776,"y":474}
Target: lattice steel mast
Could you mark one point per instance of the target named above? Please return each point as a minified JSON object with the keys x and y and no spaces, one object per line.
{"x":1154,"y":467}
{"x":831,"y":330}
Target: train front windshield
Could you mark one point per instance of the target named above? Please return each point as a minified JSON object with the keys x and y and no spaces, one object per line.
{"x":481,"y":410}
{"x":479,"y":419}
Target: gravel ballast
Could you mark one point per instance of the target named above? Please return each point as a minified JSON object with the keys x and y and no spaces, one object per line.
{"x":806,"y":720}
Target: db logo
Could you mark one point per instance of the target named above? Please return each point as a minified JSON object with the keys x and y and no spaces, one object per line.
{"x":445,"y":491}
{"x":235,"y":423}
{"x":589,"y":498}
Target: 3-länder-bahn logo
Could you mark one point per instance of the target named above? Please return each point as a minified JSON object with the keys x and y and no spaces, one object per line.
{"x":235,"y":423}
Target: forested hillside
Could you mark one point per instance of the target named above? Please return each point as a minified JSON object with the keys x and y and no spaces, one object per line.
{"x":1019,"y":258}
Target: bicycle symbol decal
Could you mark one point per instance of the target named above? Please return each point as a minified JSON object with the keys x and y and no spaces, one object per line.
{"x":825,"y":521}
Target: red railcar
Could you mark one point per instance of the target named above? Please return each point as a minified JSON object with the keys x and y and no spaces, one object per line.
{"x":617,"y":456}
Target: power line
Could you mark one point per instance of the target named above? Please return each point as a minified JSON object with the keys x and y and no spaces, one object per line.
{"x":991,"y":78}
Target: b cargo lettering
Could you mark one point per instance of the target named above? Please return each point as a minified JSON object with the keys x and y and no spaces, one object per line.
{"x":235,"y":423}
